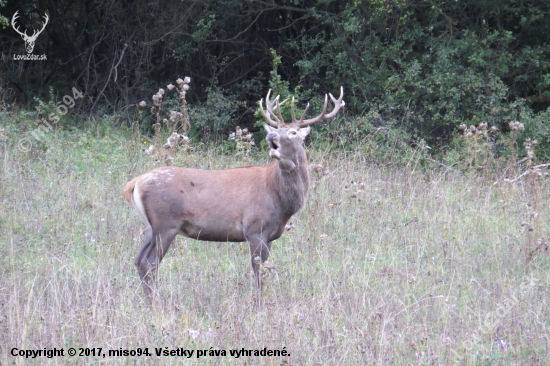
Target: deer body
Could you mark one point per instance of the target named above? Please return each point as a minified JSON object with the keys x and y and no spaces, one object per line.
{"x":251,"y":203}
{"x":213,"y":205}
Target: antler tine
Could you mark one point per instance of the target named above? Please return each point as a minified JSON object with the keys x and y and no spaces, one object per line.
{"x":266,"y":114}
{"x":294,"y":122}
{"x":280,"y":119}
{"x":44,"y":25}
{"x":338,"y":103}
{"x":304,"y":114}
{"x":16,"y":28}
{"x":320,"y":117}
{"x":35,"y":32}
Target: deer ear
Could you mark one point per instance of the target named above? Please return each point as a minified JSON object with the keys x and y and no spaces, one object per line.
{"x":303,"y":132}
{"x":269,"y":129}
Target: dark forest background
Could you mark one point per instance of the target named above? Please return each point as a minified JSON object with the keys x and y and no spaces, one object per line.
{"x":418,"y":66}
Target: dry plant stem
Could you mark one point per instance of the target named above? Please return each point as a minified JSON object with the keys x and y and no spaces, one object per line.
{"x":534,"y":195}
{"x":168,"y":154}
{"x":447,"y":167}
{"x":531,"y":170}
{"x":503,"y":175}
{"x":158,"y":136}
{"x":185,"y":126}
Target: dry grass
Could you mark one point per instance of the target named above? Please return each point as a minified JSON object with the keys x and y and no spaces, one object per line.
{"x":384,"y":266}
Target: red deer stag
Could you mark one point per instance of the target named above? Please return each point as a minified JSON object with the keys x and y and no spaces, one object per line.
{"x":251,"y":203}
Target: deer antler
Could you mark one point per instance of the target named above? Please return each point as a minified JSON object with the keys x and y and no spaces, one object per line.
{"x":35,"y":34}
{"x":279,"y":121}
{"x":338,"y":103}
{"x":15,"y":16}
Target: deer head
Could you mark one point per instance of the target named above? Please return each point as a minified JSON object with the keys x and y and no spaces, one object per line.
{"x":29,"y":40}
{"x":285,"y":140}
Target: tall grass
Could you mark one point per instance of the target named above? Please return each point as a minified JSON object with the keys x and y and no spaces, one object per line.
{"x":383,"y":266}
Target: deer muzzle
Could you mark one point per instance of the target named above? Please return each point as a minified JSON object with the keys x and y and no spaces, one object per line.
{"x":274,"y":145}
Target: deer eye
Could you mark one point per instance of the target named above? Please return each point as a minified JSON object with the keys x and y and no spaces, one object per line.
{"x":293,"y":132}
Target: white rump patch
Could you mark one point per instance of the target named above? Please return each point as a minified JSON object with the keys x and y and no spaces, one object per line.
{"x":138,"y":205}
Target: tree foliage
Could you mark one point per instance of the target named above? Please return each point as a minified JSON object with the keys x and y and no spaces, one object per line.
{"x":427,"y":65}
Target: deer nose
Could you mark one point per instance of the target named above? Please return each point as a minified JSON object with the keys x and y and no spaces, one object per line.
{"x":271,"y":136}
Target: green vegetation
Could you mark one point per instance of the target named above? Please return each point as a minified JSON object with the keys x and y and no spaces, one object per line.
{"x":421,"y":66}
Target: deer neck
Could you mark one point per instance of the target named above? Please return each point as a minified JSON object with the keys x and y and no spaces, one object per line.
{"x":291,"y":185}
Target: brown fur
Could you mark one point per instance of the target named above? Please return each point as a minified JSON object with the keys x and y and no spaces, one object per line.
{"x":251,"y":203}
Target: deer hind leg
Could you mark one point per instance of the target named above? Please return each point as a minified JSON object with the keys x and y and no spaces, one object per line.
{"x":141,"y":263}
{"x":150,"y":255}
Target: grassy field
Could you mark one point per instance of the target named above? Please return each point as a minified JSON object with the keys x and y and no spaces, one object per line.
{"x":384,"y":266}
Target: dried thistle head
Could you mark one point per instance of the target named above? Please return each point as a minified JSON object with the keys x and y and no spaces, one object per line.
{"x":244,"y":141}
{"x":516,"y":126}
{"x":462,"y":126}
{"x":149,"y":151}
{"x":157,"y":99}
{"x":483,"y":125}
{"x":175,"y":140}
{"x":172,"y":140}
{"x":317,"y":168}
{"x":142,"y":104}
